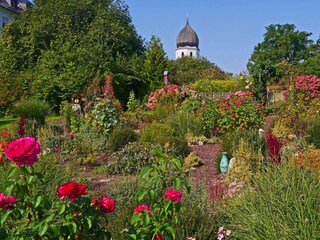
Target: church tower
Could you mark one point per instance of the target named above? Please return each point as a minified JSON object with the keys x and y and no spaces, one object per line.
{"x":187,"y":43}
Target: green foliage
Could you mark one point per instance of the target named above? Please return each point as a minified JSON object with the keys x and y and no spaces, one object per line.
{"x":164,"y":174}
{"x":192,"y":160}
{"x":161,"y":134}
{"x":201,"y":138}
{"x":209,"y":86}
{"x":313,"y":130}
{"x":132,"y":103}
{"x":104,"y":115}
{"x":33,"y":109}
{"x":155,"y":63}
{"x":209,"y":117}
{"x":130,"y":159}
{"x":187,"y":70}
{"x":62,"y":57}
{"x":276,"y":206}
{"x":119,"y":137}
{"x":282,"y":43}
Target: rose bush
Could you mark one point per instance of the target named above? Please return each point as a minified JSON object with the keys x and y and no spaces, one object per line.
{"x":23,"y":151}
{"x":239,"y":111}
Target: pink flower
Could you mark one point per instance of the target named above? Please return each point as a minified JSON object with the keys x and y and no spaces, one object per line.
{"x":107,"y":205}
{"x":56,"y":149}
{"x":173,"y":195}
{"x":23,"y":151}
{"x":6,"y":202}
{"x":141,"y":208}
{"x":71,"y":190}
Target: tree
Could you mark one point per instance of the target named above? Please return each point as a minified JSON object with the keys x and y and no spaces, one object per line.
{"x":155,"y":63}
{"x":282,"y":43}
{"x":187,"y":70}
{"x":64,"y":45}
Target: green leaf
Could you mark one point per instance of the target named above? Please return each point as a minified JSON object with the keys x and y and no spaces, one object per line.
{"x":61,"y":209}
{"x":30,"y":179}
{"x":55,"y":230}
{"x":4,"y":217}
{"x":89,"y":222}
{"x":146,"y":219}
{"x":8,"y":190}
{"x":43,"y":229}
{"x":145,"y":172}
{"x":37,"y":201}
{"x":177,"y":163}
{"x":151,"y":194}
{"x":50,"y":217}
{"x":133,"y":236}
{"x":177,"y":183}
{"x":135,"y":218}
{"x":171,"y":232}
{"x":140,"y":194}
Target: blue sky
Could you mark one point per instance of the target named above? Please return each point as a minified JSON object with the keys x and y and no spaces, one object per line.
{"x":228,"y":30}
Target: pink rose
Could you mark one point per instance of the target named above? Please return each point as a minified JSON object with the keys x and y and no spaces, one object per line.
{"x":173,"y":195}
{"x":141,"y":208}
{"x":107,"y":205}
{"x":6,"y":202}
{"x":23,"y":151}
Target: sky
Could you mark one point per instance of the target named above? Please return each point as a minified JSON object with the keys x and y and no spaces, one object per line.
{"x":228,"y":30}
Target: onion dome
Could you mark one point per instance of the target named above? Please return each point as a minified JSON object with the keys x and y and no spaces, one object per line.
{"x":187,"y":37}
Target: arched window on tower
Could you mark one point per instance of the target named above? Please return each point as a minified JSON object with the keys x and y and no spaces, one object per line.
{"x":190,"y":54}
{"x":182,"y":54}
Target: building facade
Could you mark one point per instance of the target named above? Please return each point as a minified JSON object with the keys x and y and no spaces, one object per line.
{"x":187,"y":43}
{"x":10,"y":8}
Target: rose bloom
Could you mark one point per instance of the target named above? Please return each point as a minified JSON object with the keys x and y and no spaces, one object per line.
{"x":6,"y":202}
{"x":141,"y":208}
{"x":94,"y":202}
{"x":71,"y":190}
{"x":23,"y":151}
{"x":71,"y":136}
{"x":173,"y":194}
{"x":158,"y":237}
{"x":107,"y":205}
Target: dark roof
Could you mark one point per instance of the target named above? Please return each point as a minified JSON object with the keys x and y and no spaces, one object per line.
{"x":5,"y":5}
{"x":18,"y":8}
{"x":187,"y":37}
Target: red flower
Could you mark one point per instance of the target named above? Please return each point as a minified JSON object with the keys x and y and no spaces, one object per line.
{"x":56,"y":149}
{"x":6,"y":202}
{"x":107,"y":205}
{"x":23,"y":151}
{"x":71,"y":136}
{"x":233,"y":115}
{"x":94,"y":202}
{"x":141,"y":208}
{"x":173,"y":195}
{"x":2,"y":145}
{"x":71,"y":190}
{"x":158,"y":237}
{"x":1,"y":159}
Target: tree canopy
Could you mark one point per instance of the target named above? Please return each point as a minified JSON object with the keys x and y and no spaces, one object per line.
{"x":61,"y":46}
{"x":187,"y":70}
{"x":282,"y":43}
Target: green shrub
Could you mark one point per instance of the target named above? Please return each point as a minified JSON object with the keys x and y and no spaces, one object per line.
{"x":130,"y":159}
{"x":120,"y":137}
{"x":157,"y":133}
{"x":313,"y":132}
{"x":284,"y":204}
{"x":192,"y":160}
{"x":32,"y":109}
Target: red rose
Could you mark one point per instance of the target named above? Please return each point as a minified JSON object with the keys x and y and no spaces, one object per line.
{"x":23,"y":151}
{"x":173,"y":194}
{"x":107,"y":205}
{"x":6,"y":202}
{"x":94,"y":202}
{"x":71,"y":136}
{"x":71,"y":190}
{"x":158,"y":237}
{"x":141,"y":208}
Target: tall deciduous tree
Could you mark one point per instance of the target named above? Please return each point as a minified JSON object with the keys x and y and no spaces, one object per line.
{"x":65,"y":44}
{"x":155,"y":63}
{"x":282,"y":43}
